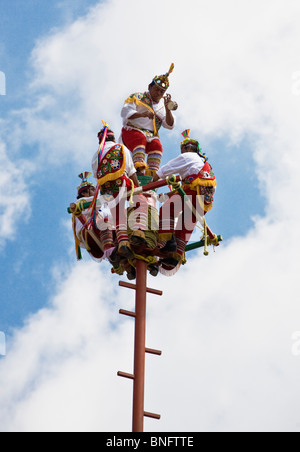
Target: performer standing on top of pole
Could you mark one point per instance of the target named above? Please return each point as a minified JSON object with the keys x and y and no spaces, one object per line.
{"x":143,"y":114}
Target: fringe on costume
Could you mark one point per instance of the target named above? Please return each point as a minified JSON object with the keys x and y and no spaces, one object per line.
{"x":164,"y":271}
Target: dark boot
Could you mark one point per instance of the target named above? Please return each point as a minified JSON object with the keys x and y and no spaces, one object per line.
{"x":138,"y":238}
{"x":131,"y":274}
{"x":115,"y":257}
{"x":171,"y":246}
{"x":153,"y":269}
{"x":124,"y":250}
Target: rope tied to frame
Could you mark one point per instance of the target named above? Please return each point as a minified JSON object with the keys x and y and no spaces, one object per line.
{"x":171,"y":181}
{"x":131,"y":202}
{"x":150,"y":260}
{"x":79,"y":208}
{"x":206,"y":253}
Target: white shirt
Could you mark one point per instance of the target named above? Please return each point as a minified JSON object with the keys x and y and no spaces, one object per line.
{"x":130,"y":109}
{"x":105,"y":213}
{"x":129,"y":170}
{"x":185,"y":165}
{"x":78,"y":224}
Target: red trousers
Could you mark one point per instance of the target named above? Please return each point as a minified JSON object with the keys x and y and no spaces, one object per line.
{"x":138,"y":218}
{"x":176,"y":208}
{"x":137,"y":143}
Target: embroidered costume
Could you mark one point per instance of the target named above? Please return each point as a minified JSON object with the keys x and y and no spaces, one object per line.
{"x":86,"y":236}
{"x":141,"y":134}
{"x":199,"y":184}
{"x":113,"y":170}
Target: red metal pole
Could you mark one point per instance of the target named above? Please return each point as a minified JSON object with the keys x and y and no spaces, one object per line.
{"x":140,"y":347}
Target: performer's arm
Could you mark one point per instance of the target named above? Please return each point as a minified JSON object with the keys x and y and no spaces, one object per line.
{"x":130,"y":111}
{"x":169,"y":116}
{"x":130,"y":169}
{"x":135,"y":180}
{"x":175,"y":166}
{"x":145,"y":114}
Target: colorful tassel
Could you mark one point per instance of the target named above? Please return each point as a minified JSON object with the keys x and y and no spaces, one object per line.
{"x":171,"y":69}
{"x":186,"y":134}
{"x":84,"y":176}
{"x":77,"y":242}
{"x":85,"y":183}
{"x":102,"y":144}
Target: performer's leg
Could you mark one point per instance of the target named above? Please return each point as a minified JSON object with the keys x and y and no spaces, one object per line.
{"x":106,"y":237}
{"x":138,"y":219}
{"x":93,"y":243}
{"x":186,"y":224}
{"x":154,"y":151}
{"x":167,"y":215}
{"x":120,"y":219}
{"x":136,"y":142}
{"x":138,"y":158}
{"x":106,"y":233}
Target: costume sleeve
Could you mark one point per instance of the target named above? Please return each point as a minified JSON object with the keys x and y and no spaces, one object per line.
{"x":166,"y":125}
{"x":130,"y":169}
{"x":79,"y":225}
{"x":128,"y":110}
{"x":95,"y":165}
{"x":78,"y":228}
{"x":160,"y":111}
{"x":176,"y":166}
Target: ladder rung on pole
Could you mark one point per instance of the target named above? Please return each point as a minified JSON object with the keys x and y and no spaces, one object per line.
{"x":153,"y":351}
{"x":128,"y":313}
{"x":133,"y":286}
{"x":152,"y":415}
{"x":125,"y":375}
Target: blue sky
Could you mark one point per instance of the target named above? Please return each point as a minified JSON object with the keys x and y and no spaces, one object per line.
{"x":26,"y":286}
{"x":238,"y":102}
{"x":22,"y":23}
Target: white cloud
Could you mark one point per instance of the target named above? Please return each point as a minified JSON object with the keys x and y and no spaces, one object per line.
{"x":229,"y":337}
{"x":228,"y":361}
{"x":65,"y":358}
{"x":14,"y":195}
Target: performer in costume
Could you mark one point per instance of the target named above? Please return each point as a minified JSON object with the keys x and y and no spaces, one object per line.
{"x":143,"y":115}
{"x":199,"y":183}
{"x":113,"y":168}
{"x":89,"y":239}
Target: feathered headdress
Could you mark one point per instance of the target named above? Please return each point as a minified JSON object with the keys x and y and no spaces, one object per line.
{"x":102,"y":135}
{"x":85,"y":183}
{"x":163,"y":80}
{"x":187,"y":139}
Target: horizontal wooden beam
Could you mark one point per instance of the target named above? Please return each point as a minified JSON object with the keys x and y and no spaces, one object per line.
{"x":128,"y":313}
{"x":195,"y":245}
{"x":153,"y":352}
{"x":133,"y":286}
{"x":125,"y":375}
{"x":152,"y":415}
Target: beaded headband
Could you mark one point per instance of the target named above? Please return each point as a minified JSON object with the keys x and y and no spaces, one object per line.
{"x":188,"y":140}
{"x":163,"y":80}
